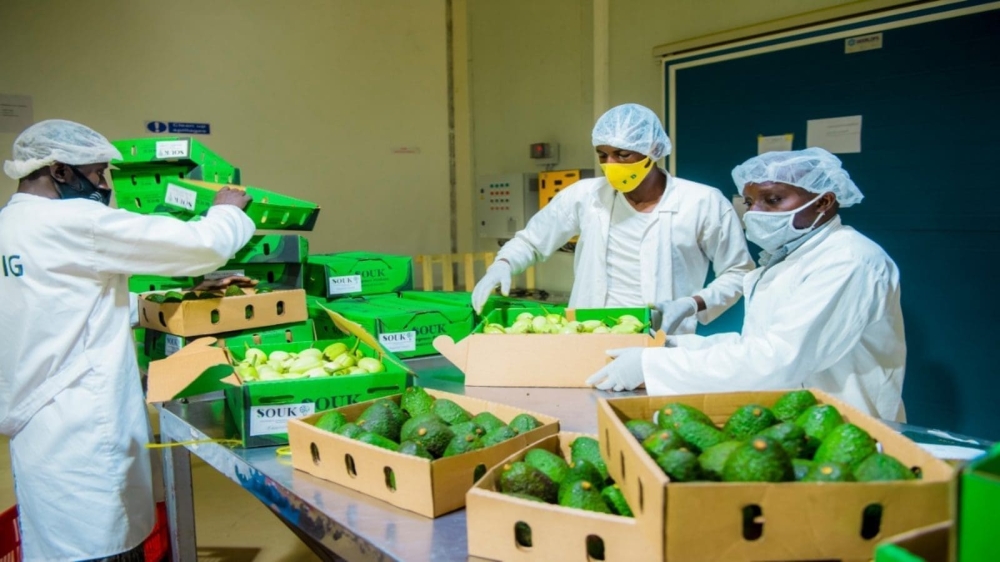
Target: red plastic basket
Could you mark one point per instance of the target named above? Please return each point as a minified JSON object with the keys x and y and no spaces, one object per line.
{"x":10,"y":536}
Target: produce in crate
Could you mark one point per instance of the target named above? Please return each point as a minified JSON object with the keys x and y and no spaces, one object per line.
{"x":336,"y":360}
{"x":230,"y":291}
{"x":552,"y":323}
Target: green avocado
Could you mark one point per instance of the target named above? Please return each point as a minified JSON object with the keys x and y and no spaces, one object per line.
{"x":378,"y":441}
{"x":640,"y":429}
{"x":349,"y":430}
{"x":416,"y":401}
{"x":450,"y":412}
{"x":522,"y":478}
{"x":700,"y":436}
{"x":662,"y":441}
{"x":818,"y":421}
{"x":411,"y":425}
{"x":675,"y":412}
{"x":380,"y":418}
{"x":588,"y":449}
{"x":523,"y":423}
{"x":615,"y":499}
{"x":462,"y":444}
{"x":582,"y":494}
{"x":498,"y":435}
{"x":881,"y":467}
{"x":554,"y":466}
{"x":847,"y":444}
{"x":761,"y":459}
{"x":801,"y":467}
{"x":748,"y":421}
{"x":331,"y":421}
{"x":791,"y":437}
{"x":487,"y":421}
{"x":790,"y":406}
{"x":713,"y":459}
{"x":415,"y":449}
{"x":828,"y":472}
{"x":680,"y":465}
{"x":582,"y":470}
{"x":434,"y":436}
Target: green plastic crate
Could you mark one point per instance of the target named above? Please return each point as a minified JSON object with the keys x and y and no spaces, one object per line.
{"x":351,"y":274}
{"x":506,"y":316}
{"x":159,"y":345}
{"x":272,"y":248}
{"x":460,"y":298}
{"x":979,"y":498}
{"x":165,"y":151}
{"x":133,"y":178}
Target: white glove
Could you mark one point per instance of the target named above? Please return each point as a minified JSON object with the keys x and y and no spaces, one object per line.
{"x":669,"y":315}
{"x":497,"y":274}
{"x":624,"y":373}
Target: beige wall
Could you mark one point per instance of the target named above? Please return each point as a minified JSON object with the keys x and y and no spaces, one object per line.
{"x":308,"y":97}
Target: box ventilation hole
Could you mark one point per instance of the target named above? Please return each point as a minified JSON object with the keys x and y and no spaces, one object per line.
{"x":522,"y":535}
{"x":349,"y":462}
{"x":871,"y":521}
{"x":478,"y":473}
{"x":595,"y":547}
{"x":315,"y":453}
{"x":641,"y":499}
{"x":215,"y":316}
{"x":248,"y":311}
{"x":621,"y":457}
{"x":753,"y":522}
{"x":390,"y":479}
{"x":607,"y":441}
{"x":280,"y":308}
{"x":163,"y":321}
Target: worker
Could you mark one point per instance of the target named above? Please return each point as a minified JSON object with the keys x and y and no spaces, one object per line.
{"x":822,"y":312}
{"x":646,"y":237}
{"x":70,"y":395}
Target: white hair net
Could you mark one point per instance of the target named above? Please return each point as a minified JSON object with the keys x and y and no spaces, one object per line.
{"x":55,"y":140}
{"x":812,"y":169}
{"x":632,"y":127}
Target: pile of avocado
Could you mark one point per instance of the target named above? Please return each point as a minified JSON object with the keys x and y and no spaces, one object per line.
{"x":178,"y":296}
{"x":797,"y":440}
{"x":426,"y":427}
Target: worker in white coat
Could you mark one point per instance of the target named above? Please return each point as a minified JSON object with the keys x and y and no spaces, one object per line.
{"x":823,"y":311}
{"x":70,"y":394}
{"x":646,"y":237}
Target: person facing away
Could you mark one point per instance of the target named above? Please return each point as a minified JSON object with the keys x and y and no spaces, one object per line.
{"x":822,"y":312}
{"x":646,"y":237}
{"x":70,"y":394}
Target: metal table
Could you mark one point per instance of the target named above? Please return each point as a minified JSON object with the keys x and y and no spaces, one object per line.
{"x":335,"y":522}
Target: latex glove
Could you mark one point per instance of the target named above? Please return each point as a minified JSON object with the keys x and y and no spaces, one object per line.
{"x":668,"y":315}
{"x":498,"y":273}
{"x":624,"y":373}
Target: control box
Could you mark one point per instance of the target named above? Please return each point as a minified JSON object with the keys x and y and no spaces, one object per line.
{"x":550,"y":183}
{"x":504,"y":203}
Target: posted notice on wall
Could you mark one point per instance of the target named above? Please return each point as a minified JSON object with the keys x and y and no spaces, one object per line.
{"x":839,"y":135}
{"x":16,"y":113}
{"x":774,"y":143}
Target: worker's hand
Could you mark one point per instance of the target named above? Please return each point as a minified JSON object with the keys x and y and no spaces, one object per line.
{"x":230,"y":196}
{"x":497,"y":274}
{"x":669,"y":315}
{"x":221,"y":284}
{"x":624,"y":373}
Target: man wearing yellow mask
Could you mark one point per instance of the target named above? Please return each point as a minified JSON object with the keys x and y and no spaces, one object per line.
{"x":646,"y":237}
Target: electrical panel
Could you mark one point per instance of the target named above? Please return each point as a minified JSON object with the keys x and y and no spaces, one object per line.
{"x":550,"y":183}
{"x":504,"y":203}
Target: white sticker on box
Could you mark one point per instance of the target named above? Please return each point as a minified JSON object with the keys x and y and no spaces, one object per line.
{"x":223,"y":273}
{"x":399,"y":341}
{"x":172,"y":149}
{"x":268,"y":420}
{"x":345,"y":284}
{"x":180,"y":197}
{"x":172,"y":344}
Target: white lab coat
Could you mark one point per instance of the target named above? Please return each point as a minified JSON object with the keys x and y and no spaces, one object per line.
{"x":692,"y":225}
{"x":70,"y":394}
{"x":826,"y":317}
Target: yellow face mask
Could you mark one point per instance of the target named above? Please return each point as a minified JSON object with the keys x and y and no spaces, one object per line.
{"x":626,"y":177}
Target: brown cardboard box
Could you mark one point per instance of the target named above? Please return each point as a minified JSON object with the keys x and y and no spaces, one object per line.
{"x":704,"y":521}
{"x":430,"y":488}
{"x":226,"y":314}
{"x":558,"y":533}
{"x":933,"y":543}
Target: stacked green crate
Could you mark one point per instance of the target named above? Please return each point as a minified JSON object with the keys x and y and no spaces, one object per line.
{"x":354,"y":274}
{"x":158,"y":345}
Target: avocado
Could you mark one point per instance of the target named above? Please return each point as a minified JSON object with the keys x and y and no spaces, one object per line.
{"x":828,"y":472}
{"x":173,"y":297}
{"x":415,"y":449}
{"x":522,"y":478}
{"x":264,"y":289}
{"x":487,"y":421}
{"x":462,"y":444}
{"x":801,"y":468}
{"x":468,"y":427}
{"x":675,"y":412}
{"x":640,"y":429}
{"x":434,"y":436}
{"x":615,"y":499}
{"x":411,"y":425}
{"x":588,"y":449}
{"x":528,"y":497}
{"x":450,"y":412}
{"x":748,"y":421}
{"x":761,"y":459}
{"x":791,"y":437}
{"x":790,"y":406}
{"x":582,"y":470}
{"x":582,"y":494}
{"x":847,"y":444}
{"x":377,"y":440}
{"x":818,"y":421}
{"x":699,"y":436}
{"x":881,"y":467}
{"x":398,"y":413}
{"x":190,"y":296}
{"x":498,"y":435}
{"x":416,"y":401}
{"x":380,"y":418}
{"x":233,"y":291}
{"x":661,"y":442}
{"x":680,"y":465}
{"x":156,"y":297}
{"x":554,"y":466}
{"x":331,"y":421}
{"x":523,"y":423}
{"x":349,"y":430}
{"x":713,"y":459}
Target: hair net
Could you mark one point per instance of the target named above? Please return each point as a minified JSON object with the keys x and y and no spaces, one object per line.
{"x":55,"y":140}
{"x":632,"y":127}
{"x":812,"y":169}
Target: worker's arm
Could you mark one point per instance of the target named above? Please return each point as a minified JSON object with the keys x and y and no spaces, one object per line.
{"x":723,"y":241}
{"x":546,"y":232}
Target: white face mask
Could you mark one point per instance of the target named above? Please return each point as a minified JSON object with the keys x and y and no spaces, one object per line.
{"x":771,"y":231}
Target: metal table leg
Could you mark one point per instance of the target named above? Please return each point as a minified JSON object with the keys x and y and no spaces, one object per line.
{"x":179,"y":494}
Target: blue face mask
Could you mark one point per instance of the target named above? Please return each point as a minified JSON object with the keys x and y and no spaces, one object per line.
{"x":85,"y":189}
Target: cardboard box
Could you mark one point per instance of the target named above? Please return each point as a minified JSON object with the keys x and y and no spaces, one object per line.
{"x":430,"y":488}
{"x":352,"y":274}
{"x":159,"y":345}
{"x":927,"y":544}
{"x":226,"y":314}
{"x":558,"y":533}
{"x":261,"y":410}
{"x":979,"y":504}
{"x":799,"y":521}
{"x":272,"y":248}
{"x":540,"y":360}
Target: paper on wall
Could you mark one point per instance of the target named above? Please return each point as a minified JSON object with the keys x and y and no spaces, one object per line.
{"x":774,"y":143}
{"x":16,"y":113}
{"x":839,"y":135}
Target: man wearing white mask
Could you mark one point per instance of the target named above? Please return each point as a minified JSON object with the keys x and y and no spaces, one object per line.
{"x":823,"y":311}
{"x":646,"y":237}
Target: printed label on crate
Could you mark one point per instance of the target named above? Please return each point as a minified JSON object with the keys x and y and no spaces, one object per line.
{"x":223,"y":273}
{"x":180,"y":197}
{"x":399,"y":341}
{"x":267,"y":420}
{"x":172,"y":344}
{"x":172,"y":149}
{"x":345,"y":284}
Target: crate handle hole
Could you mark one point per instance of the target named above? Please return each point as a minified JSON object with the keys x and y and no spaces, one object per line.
{"x":607,"y":441}
{"x":133,"y":150}
{"x":133,"y":180}
{"x":163,"y":321}
{"x":917,"y":471}
{"x":390,"y":479}
{"x":267,"y":249}
{"x":263,"y":200}
{"x":349,"y":462}
{"x":156,"y":177}
{"x":621,"y":457}
{"x":138,"y":203}
{"x":280,"y":307}
{"x":288,"y":336}
{"x":248,"y":311}
{"x":263,"y":218}
{"x":478,"y":473}
{"x":215,"y":316}
{"x":315,"y":453}
{"x":522,"y":535}
{"x":285,"y":217}
{"x":270,"y":277}
{"x":871,"y":521}
{"x":753,"y":522}
{"x":595,"y":547}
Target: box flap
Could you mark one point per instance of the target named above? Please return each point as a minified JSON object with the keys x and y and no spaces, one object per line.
{"x":457,"y":353}
{"x":196,"y":368}
{"x":356,"y":330}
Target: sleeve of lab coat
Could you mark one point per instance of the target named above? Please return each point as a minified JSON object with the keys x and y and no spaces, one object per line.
{"x":820,"y":322}
{"x":545,"y":233}
{"x":130,"y":243}
{"x":723,"y":241}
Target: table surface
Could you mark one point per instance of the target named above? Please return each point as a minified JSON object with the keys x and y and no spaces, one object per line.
{"x":346,"y":522}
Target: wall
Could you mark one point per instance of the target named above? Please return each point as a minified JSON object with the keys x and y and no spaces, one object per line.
{"x":308,"y":101}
